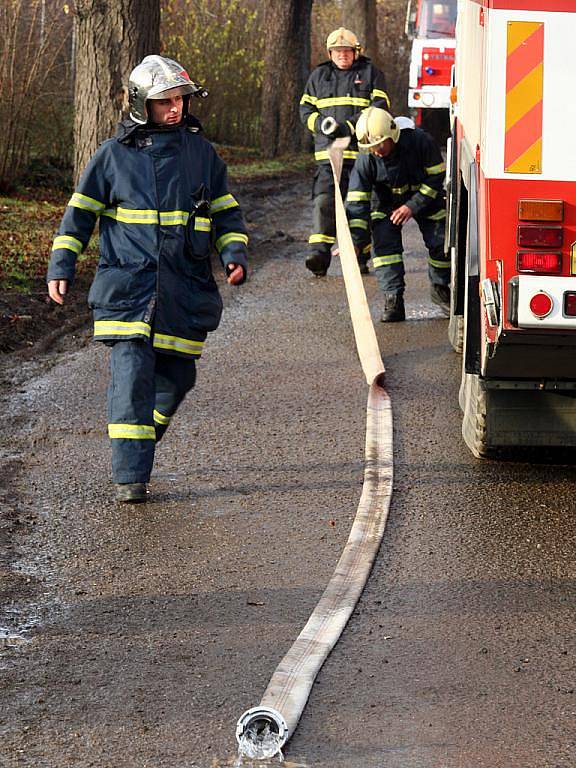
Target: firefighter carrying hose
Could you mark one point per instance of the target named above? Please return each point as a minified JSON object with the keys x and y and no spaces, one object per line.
{"x":159,"y":193}
{"x":404,"y":169}
{"x":335,"y":94}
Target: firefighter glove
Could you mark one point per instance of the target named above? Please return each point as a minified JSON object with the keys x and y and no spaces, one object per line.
{"x":334,"y":130}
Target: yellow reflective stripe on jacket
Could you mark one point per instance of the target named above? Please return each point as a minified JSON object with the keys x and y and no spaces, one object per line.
{"x":431,"y":170}
{"x":159,"y":418}
{"x":358,"y":224}
{"x":69,"y":242}
{"x":343,"y":101}
{"x":311,"y":122}
{"x":201,"y":224}
{"x":171,"y":218}
{"x":86,"y":203}
{"x":378,"y":94}
{"x":120,"y":328}
{"x":348,"y":154}
{"x":131,"y":432}
{"x":231,"y":237}
{"x":426,"y":190}
{"x":223,"y":203}
{"x":321,"y":239}
{"x":147,"y":216}
{"x":438,"y":216}
{"x":378,"y":215}
{"x":177,"y":344}
{"x":132,"y":215}
{"x":307,"y":99}
{"x":367,"y":248}
{"x":356,"y":196}
{"x":400,"y":190}
{"x":384,"y":261}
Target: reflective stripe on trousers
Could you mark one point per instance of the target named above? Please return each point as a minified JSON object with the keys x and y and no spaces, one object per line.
{"x":146,"y":388}
{"x":388,"y":249}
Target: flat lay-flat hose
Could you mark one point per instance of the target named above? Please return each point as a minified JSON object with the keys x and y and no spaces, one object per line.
{"x":288,"y":690}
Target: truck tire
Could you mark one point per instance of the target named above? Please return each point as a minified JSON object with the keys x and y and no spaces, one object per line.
{"x":456,"y":332}
{"x":473,"y":403}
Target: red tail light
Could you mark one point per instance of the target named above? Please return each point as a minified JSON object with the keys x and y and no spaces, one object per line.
{"x":570,"y":304}
{"x":541,"y":304}
{"x":539,"y":262}
{"x":537,"y":236}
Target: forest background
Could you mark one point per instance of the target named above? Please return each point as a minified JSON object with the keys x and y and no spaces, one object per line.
{"x":224,"y":44}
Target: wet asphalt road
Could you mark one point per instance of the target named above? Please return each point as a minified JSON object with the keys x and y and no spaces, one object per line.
{"x":138,"y":636}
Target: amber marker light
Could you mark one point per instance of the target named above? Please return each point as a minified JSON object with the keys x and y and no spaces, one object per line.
{"x":541,"y":210}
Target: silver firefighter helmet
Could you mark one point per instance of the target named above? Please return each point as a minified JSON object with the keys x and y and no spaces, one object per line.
{"x":153,"y":78}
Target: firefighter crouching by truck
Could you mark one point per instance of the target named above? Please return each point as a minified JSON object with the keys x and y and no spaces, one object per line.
{"x":338,"y":89}
{"x":405,"y":170}
{"x":159,"y":192}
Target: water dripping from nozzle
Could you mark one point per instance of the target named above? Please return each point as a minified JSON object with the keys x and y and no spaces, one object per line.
{"x":259,"y":742}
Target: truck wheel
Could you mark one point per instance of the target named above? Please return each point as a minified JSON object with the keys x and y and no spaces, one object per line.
{"x":473,"y":403}
{"x":456,"y":332}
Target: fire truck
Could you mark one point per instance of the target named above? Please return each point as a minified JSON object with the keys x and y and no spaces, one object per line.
{"x":431,"y":26}
{"x":511,"y":222}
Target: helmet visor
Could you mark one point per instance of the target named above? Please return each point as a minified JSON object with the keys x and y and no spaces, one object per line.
{"x":169,"y":93}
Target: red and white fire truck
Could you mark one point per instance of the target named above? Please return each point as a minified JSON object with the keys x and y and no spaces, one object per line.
{"x":431,"y":26}
{"x":511,"y":225}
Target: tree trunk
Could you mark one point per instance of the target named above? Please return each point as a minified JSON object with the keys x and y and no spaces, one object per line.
{"x":360,"y":17}
{"x":112,"y":36}
{"x":286,"y":68}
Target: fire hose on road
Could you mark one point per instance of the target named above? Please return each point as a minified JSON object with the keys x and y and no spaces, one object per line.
{"x":263,"y":730}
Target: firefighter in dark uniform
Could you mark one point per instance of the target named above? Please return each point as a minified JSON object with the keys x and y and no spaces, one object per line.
{"x":159,"y":193}
{"x":399,"y":175}
{"x":338,"y":89}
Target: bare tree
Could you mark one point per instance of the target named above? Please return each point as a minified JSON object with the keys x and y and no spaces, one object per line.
{"x":112,"y":36}
{"x":286,"y":67}
{"x":360,"y":17}
{"x":32,"y":67}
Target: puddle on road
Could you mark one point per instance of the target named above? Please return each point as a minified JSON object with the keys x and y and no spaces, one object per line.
{"x":424,"y":312}
{"x":11,"y":639}
{"x":246,"y":762}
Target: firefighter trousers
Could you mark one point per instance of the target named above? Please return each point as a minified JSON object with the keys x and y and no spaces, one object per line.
{"x":387,"y":250}
{"x":146,"y":388}
{"x":323,"y":234}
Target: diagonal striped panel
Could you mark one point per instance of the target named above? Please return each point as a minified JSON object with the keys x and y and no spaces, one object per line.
{"x":524,"y":96}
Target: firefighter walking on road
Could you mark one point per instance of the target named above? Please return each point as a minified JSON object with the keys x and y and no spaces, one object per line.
{"x":405,"y":170}
{"x":338,"y":89}
{"x":159,"y":193}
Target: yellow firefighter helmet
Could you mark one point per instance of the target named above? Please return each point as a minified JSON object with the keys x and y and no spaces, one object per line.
{"x":343,"y":38}
{"x":374,"y":126}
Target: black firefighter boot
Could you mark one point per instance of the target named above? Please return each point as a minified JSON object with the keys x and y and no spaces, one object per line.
{"x":131,"y":493}
{"x":393,"y":308}
{"x":440,"y":295}
{"x":318,"y":263}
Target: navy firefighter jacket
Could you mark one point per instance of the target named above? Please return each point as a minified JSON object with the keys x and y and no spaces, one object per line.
{"x":161,"y":200}
{"x":341,"y":94}
{"x":413,"y":175}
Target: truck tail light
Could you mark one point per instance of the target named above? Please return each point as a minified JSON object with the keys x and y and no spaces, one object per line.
{"x":541,"y":210}
{"x":541,"y":304}
{"x":539,"y":262}
{"x":570,"y":303}
{"x":539,"y":236}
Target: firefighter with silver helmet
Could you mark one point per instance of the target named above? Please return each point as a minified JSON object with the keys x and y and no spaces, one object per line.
{"x":159,"y":193}
{"x":398,"y":175}
{"x":336,"y":93}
